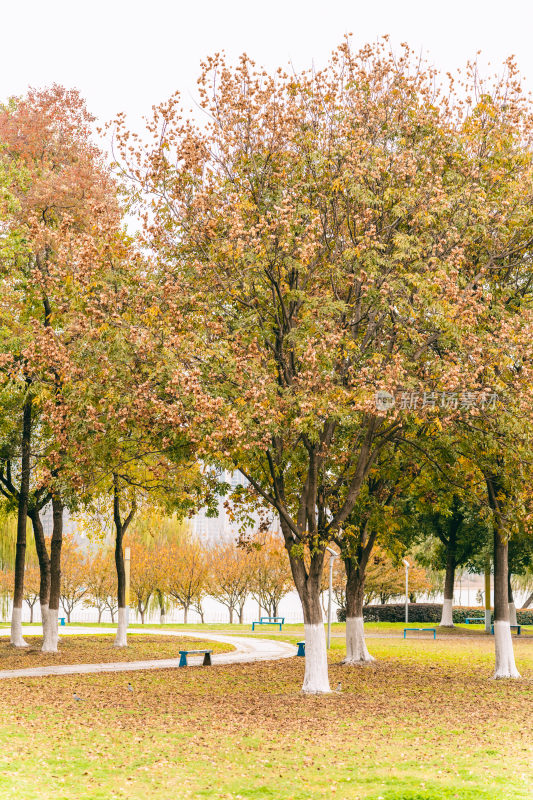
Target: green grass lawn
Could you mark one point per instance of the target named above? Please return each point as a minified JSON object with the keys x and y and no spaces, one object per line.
{"x":424,"y":722}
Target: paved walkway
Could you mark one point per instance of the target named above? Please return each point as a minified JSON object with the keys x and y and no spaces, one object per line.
{"x":246,"y":650}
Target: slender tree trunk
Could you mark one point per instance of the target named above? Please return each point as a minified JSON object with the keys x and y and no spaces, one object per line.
{"x":308,"y":586}
{"x":185,"y":613}
{"x":488,"y":614}
{"x":16,"y":638}
{"x":512,"y":607}
{"x":241,"y":614}
{"x":162,"y":610}
{"x":99,"y":616}
{"x":505,"y":663}
{"x":449,"y":582}
{"x":121,"y":638}
{"x":356,"y":649}
{"x":528,"y":602}
{"x":44,"y":570}
{"x":55,"y":571}
{"x":231,"y":615}
{"x":31,"y":614}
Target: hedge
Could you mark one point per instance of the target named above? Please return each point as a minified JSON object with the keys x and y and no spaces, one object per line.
{"x":426,"y":612}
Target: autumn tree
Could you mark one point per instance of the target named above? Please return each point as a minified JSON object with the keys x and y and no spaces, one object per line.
{"x":303,"y":247}
{"x":65,"y":215}
{"x":230,"y":575}
{"x":185,"y":572}
{"x":271,"y":577}
{"x":73,"y":576}
{"x":100,"y":583}
{"x":146,"y":569}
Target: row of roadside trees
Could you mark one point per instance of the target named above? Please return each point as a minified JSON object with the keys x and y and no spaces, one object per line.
{"x":330,"y":294}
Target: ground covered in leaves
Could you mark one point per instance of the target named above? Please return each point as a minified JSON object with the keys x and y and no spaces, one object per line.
{"x":424,"y":722}
{"x":99,"y":649}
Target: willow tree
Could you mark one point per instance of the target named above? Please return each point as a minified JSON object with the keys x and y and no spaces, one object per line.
{"x":303,"y":261}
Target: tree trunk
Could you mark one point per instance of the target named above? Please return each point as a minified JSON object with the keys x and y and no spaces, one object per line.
{"x":121,"y":638}
{"x":99,"y":616}
{"x":510,"y":598}
{"x":488,"y":614}
{"x":55,"y":570}
{"x":241,"y":614}
{"x":162,"y":610}
{"x":231,"y":615}
{"x":20,"y":555}
{"x":528,"y":602}
{"x":505,"y":663}
{"x":44,"y":570}
{"x":308,"y":586}
{"x":31,"y":614}
{"x":356,"y":650}
{"x":446,"y":620}
{"x":185,"y":614}
{"x":141,"y":612}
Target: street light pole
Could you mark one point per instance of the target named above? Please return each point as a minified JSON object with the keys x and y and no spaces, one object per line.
{"x":332,"y":555}
{"x":406,"y":565}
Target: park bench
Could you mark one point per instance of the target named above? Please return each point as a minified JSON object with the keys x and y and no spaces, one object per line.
{"x":301,"y":649}
{"x":474,"y":620}
{"x":433,"y":630}
{"x":269,"y":621}
{"x":518,"y":628}
{"x":184,"y":653}
{"x":61,"y":620}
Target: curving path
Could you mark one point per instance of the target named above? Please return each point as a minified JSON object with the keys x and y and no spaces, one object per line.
{"x":247,"y":650}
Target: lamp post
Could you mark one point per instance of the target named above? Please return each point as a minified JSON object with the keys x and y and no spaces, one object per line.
{"x":332,"y":555}
{"x":406,"y":565}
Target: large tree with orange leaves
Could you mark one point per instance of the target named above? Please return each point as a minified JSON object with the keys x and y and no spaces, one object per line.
{"x":309,"y":247}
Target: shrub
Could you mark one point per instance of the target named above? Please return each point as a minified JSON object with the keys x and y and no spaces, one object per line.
{"x":426,"y":612}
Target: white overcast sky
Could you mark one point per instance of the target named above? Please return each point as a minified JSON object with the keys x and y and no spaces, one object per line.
{"x":125,"y":55}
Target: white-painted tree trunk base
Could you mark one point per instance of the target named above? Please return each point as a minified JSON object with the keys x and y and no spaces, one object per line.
{"x":16,"y":638}
{"x":356,"y":650}
{"x":316,"y":680}
{"x":503,"y":643}
{"x":121,"y":639}
{"x":48,"y":640}
{"x":512,"y":614}
{"x":51,"y":634}
{"x":446,"y":620}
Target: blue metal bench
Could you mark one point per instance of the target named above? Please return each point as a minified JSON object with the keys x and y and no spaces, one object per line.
{"x":518,"y":628}
{"x":62,"y":620}
{"x":301,"y":649}
{"x":184,"y":653}
{"x":433,"y":630}
{"x":269,"y":621}
{"x":474,"y":620}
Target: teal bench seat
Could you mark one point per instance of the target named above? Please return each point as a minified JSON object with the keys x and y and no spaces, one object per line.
{"x":518,"y":628}
{"x":433,"y":630}
{"x":280,"y":621}
{"x":184,"y":653}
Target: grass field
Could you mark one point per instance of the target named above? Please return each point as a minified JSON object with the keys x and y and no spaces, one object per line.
{"x":425,"y":722}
